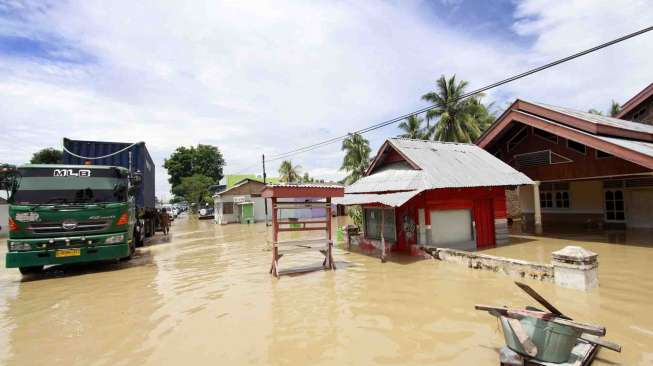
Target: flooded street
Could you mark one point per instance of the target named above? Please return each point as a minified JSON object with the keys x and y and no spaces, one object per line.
{"x":204,"y":297}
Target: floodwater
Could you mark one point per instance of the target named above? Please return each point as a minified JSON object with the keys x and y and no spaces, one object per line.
{"x":204,"y":296}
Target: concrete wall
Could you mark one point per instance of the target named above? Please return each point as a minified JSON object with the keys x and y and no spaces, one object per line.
{"x":586,"y":203}
{"x":4,"y":217}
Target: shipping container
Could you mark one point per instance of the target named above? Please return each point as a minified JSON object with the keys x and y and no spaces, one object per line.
{"x":133,"y":156}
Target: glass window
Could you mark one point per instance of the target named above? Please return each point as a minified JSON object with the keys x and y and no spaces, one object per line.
{"x":577,"y":146}
{"x":373,"y":224}
{"x":228,"y":208}
{"x":614,"y":205}
{"x":546,"y":199}
{"x":545,"y":135}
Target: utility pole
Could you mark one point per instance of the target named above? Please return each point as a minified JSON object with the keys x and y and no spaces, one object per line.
{"x":265,"y":200}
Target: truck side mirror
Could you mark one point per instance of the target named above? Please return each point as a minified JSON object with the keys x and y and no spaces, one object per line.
{"x":7,"y":177}
{"x":136,"y":179}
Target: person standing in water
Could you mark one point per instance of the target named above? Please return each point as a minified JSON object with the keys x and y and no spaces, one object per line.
{"x":165,"y":221}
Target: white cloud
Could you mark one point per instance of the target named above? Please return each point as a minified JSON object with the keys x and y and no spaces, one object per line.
{"x":267,"y":77}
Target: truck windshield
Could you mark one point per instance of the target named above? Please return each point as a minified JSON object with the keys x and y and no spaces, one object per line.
{"x":69,"y":186}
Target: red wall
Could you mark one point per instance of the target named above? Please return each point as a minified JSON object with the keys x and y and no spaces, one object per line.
{"x":452,"y":198}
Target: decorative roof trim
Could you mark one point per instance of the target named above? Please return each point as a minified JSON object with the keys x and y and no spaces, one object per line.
{"x":635,"y":101}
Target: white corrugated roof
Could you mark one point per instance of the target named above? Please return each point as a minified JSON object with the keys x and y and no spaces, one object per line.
{"x":634,"y":145}
{"x":600,"y":120}
{"x":442,"y":165}
{"x":388,"y":199}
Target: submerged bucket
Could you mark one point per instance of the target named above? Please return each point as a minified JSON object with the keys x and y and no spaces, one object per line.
{"x":554,"y":341}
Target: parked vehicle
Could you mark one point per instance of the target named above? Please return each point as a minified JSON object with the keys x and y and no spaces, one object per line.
{"x":206,"y":213}
{"x":69,"y":213}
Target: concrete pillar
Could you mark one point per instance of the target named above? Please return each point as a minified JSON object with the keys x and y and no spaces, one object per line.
{"x":575,"y":267}
{"x":537,"y":208}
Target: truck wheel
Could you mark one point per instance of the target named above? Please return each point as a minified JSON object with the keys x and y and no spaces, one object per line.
{"x":137,"y":238}
{"x":30,"y":270}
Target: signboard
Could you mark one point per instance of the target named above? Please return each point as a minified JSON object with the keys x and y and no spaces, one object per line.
{"x":240,"y":199}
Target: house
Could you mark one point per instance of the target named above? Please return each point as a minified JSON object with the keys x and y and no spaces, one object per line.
{"x":419,"y":192}
{"x":589,"y":170}
{"x":639,"y":108}
{"x":241,"y":203}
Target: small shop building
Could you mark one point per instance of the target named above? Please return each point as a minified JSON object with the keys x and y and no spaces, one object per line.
{"x":242,"y":203}
{"x":424,"y":193}
{"x":590,"y":171}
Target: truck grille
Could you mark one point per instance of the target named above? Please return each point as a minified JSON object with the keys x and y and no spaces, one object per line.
{"x":57,"y":228}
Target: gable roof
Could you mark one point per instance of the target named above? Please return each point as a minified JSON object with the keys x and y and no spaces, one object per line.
{"x":235,"y":188}
{"x":439,"y":165}
{"x":627,"y":140}
{"x":635,"y":101}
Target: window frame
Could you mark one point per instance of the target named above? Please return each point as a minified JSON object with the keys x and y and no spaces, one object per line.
{"x":535,"y":133}
{"x":584,"y":152}
{"x":596,"y":155}
{"x":554,"y":199}
{"x":224,"y":208}
{"x":614,"y":210}
{"x":378,"y":237}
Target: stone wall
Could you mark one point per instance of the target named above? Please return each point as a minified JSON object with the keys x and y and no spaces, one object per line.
{"x":571,"y":267}
{"x":512,"y":267}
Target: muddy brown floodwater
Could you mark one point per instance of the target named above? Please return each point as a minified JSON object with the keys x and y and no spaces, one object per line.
{"x":204,"y":296}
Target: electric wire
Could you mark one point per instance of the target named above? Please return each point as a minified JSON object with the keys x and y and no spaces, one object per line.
{"x":332,"y":140}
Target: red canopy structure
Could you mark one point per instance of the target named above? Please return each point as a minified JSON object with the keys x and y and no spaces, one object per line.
{"x":316,"y":196}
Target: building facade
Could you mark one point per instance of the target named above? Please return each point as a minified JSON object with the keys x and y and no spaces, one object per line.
{"x":424,"y":193}
{"x":589,"y":170}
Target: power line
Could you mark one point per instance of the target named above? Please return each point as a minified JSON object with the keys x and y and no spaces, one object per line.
{"x":464,"y":96}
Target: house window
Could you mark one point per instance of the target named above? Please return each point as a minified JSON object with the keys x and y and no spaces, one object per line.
{"x":640,"y":113}
{"x":577,"y":147}
{"x":545,"y":135}
{"x":519,"y":137}
{"x":614,"y":205}
{"x":228,"y":208}
{"x":602,"y":155}
{"x":373,"y":224}
{"x":546,"y":199}
{"x":555,"y":195}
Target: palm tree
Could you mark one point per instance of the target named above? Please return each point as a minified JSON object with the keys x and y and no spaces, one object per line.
{"x":482,"y":114}
{"x":356,"y":158}
{"x":412,"y":127}
{"x":289,"y":173}
{"x":456,"y":116}
{"x":615,"y":108}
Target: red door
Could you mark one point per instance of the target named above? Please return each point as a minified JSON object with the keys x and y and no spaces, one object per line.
{"x":484,"y":223}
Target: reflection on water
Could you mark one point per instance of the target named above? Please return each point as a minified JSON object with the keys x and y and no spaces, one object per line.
{"x":204,"y":296}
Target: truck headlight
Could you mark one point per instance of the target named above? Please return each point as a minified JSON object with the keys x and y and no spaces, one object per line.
{"x":115,"y":239}
{"x":17,"y":245}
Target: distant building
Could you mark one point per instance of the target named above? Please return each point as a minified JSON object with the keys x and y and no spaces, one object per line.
{"x":419,"y":192}
{"x":230,"y":180}
{"x":639,"y":108}
{"x":590,"y":170}
{"x":241,"y":203}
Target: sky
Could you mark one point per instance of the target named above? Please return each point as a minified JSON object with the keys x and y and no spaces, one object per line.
{"x":266,"y":77}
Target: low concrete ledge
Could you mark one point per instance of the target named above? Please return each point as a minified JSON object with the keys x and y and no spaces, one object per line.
{"x":512,"y":267}
{"x":571,"y":267}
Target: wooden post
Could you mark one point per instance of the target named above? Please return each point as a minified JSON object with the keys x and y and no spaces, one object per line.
{"x":382,"y":237}
{"x":274,"y":268}
{"x":329,"y":259}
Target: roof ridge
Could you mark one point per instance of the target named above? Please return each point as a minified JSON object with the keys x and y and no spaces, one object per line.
{"x":431,"y":141}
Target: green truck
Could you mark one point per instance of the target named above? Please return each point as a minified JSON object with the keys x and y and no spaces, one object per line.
{"x":70,"y":213}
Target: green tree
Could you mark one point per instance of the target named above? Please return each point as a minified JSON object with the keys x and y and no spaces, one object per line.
{"x":289,"y":173}
{"x":412,"y":127}
{"x":206,"y":160}
{"x":194,"y":189}
{"x":307,"y":178}
{"x":456,"y":116}
{"x":357,"y":157}
{"x":615,"y":108}
{"x":595,"y":111}
{"x":47,"y":156}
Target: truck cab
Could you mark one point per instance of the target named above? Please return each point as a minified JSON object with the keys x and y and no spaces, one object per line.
{"x":69,"y":213}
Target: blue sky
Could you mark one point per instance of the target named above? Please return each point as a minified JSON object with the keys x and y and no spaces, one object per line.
{"x":265,"y":77}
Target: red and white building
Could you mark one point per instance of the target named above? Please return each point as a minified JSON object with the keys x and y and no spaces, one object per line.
{"x":419,"y":192}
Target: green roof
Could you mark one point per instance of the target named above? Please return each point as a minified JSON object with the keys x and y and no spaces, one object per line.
{"x":232,"y":179}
